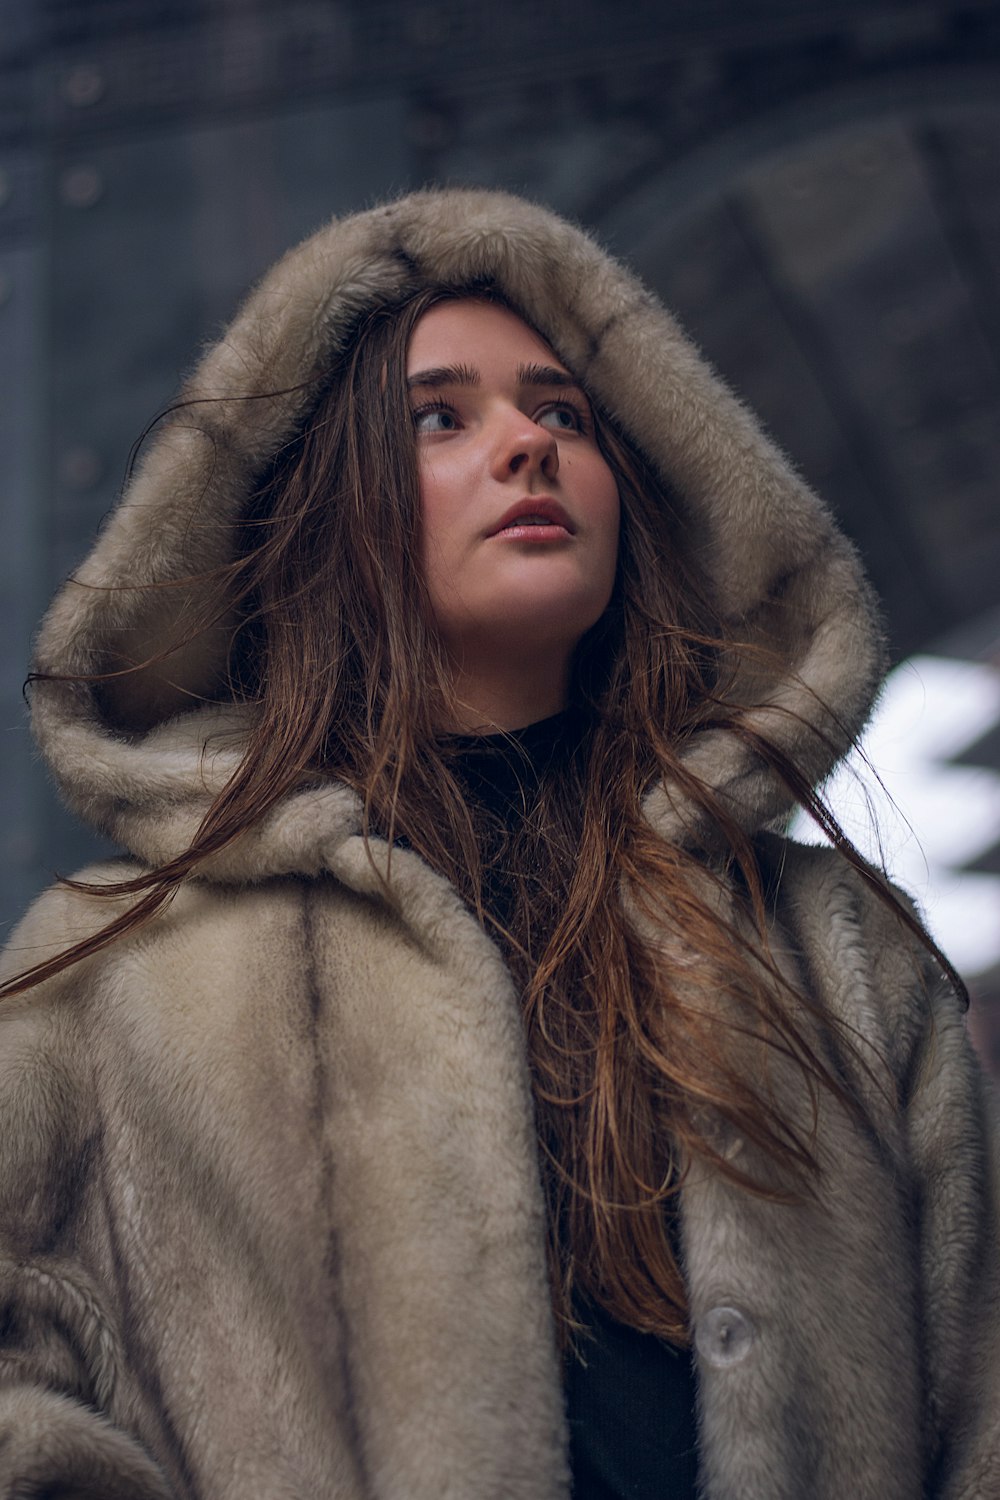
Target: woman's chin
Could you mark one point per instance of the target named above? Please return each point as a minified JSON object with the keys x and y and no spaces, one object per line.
{"x":525,"y":624}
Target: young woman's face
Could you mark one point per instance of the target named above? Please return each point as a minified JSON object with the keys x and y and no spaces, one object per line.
{"x":519,"y":509}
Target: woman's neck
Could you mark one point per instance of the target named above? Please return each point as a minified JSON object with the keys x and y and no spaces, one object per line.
{"x":507,"y":695}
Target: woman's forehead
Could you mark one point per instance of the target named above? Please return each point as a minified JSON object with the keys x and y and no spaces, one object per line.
{"x":471,"y":333}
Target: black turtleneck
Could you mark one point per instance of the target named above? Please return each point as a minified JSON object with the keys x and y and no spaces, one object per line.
{"x":630,"y":1397}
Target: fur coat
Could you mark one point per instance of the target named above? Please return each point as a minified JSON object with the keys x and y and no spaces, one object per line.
{"x":271,"y":1218}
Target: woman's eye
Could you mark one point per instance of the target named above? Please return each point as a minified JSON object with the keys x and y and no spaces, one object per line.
{"x":435,"y":419}
{"x":562,"y":418}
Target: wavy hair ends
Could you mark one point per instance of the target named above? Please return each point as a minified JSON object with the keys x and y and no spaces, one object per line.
{"x":334,"y":648}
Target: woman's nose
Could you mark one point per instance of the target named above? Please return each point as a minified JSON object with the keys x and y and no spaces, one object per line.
{"x":523,"y":447}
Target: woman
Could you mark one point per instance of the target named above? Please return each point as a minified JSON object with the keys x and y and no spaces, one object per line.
{"x":457,"y":1053}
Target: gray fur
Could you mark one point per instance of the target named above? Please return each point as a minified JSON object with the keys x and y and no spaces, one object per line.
{"x":272,"y":1221}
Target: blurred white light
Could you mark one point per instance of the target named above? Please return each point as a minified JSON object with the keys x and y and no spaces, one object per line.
{"x":928,"y":817}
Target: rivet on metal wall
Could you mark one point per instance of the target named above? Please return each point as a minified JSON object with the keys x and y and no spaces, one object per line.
{"x":80,"y":468}
{"x":81,"y":187}
{"x":83,"y":85}
{"x":6,"y":187}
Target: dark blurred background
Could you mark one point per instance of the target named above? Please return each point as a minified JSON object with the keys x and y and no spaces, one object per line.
{"x":815,"y":188}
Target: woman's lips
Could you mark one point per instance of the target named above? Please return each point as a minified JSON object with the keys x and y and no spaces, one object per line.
{"x":534,"y":520}
{"x":526,"y":532}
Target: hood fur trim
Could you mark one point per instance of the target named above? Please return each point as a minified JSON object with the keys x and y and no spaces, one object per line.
{"x":771,"y":552}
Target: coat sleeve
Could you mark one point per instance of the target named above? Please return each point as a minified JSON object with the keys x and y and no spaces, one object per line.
{"x":61,"y":1363}
{"x":939,"y":1111}
{"x":953,"y":1133}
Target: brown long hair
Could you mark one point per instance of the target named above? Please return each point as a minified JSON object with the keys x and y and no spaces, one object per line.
{"x":626,"y":948}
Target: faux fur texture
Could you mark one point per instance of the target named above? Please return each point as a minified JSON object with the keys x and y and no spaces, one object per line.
{"x":770,"y":548}
{"x":272,"y":1222}
{"x":270,"y":1214}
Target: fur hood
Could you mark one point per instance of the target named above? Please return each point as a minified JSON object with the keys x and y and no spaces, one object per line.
{"x":135,"y":761}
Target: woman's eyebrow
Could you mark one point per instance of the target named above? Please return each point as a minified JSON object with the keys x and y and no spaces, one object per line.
{"x":529,"y":375}
{"x":443,"y":375}
{"x":546,"y":375}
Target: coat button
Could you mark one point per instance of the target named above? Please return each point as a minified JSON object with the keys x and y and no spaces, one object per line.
{"x":723,"y":1336}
